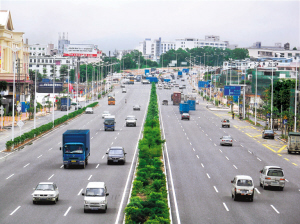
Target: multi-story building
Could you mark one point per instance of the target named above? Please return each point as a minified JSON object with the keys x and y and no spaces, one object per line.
{"x":61,"y":42}
{"x":209,"y":41}
{"x":13,"y":49}
{"x":41,"y":49}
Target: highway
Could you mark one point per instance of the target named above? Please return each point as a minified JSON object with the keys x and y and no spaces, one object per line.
{"x":42,"y":161}
{"x":202,"y":169}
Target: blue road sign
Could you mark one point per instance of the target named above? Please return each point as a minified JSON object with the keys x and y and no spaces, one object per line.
{"x":268,"y":115}
{"x":241,"y":105}
{"x":232,"y":90}
{"x":284,"y":121}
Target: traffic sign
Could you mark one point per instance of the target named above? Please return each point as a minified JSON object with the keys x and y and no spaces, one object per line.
{"x":285,"y":117}
{"x":241,"y":105}
{"x":284,"y":121}
{"x":20,"y":123}
{"x":232,"y":90}
{"x":268,"y":115}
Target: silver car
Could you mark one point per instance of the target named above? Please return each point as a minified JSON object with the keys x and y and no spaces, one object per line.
{"x":105,"y":113}
{"x":45,"y":192}
{"x":116,"y":155}
{"x":226,"y":140}
{"x":89,"y":110}
{"x":272,"y":176}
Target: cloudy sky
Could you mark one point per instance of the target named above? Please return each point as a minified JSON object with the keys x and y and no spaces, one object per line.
{"x":122,"y":24}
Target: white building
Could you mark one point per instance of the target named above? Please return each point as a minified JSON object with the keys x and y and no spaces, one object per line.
{"x":209,"y":41}
{"x":40,"y":49}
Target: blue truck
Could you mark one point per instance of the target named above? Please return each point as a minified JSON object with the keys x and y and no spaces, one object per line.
{"x":109,"y":123}
{"x":65,"y":103}
{"x":179,"y":75}
{"x":184,"y":108}
{"x":152,"y":79}
{"x":75,"y":147}
{"x":147,"y":72}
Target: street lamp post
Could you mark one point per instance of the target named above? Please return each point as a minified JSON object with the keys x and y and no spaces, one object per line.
{"x":272,"y":100}
{"x":255,"y":103}
{"x":295,"y":116}
{"x":86,"y":82}
{"x":34,"y":104}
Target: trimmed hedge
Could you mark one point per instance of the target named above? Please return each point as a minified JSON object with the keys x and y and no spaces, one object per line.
{"x":149,"y":202}
{"x":46,"y":127}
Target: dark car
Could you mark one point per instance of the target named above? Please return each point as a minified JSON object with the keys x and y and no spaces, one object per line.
{"x":226,"y":140}
{"x":136,"y":107}
{"x":185,"y":116}
{"x":78,"y":106}
{"x":63,"y":107}
{"x":116,"y":155}
{"x":268,"y":134}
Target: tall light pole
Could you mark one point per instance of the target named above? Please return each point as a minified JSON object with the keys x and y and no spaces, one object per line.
{"x":68,"y":97}
{"x":272,"y":100}
{"x":255,"y":103}
{"x":86,"y":82}
{"x":53,"y":84}
{"x":34,"y":104}
{"x":295,"y":116}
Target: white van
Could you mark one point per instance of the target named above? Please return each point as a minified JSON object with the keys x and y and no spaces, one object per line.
{"x":95,"y":197}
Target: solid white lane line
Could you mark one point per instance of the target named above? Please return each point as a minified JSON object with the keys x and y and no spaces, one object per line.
{"x":194,"y":149}
{"x":208,"y":175}
{"x":97,"y":166}
{"x":51,"y":177}
{"x":103,"y":157}
{"x":226,"y":207}
{"x":50,"y":149}
{"x":275,"y":209}
{"x":15,"y":210}
{"x":80,"y":191}
{"x":9,"y":176}
{"x":235,"y":166}
{"x":67,"y":211}
{"x":90,"y":177}
{"x":257,"y":190}
{"x":39,"y":156}
{"x":216,"y":189}
{"x":226,"y":157}
{"x":197,"y":156}
{"x":26,"y":165}
{"x":220,"y":150}
{"x":259,"y":159}
{"x":61,"y":166}
{"x":202,"y":165}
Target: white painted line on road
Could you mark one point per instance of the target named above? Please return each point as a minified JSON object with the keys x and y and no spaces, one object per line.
{"x":206,"y":134}
{"x":59,"y":143}
{"x":275,"y":209}
{"x":242,"y":145}
{"x":103,"y":157}
{"x":15,"y":210}
{"x":257,"y":190}
{"x":39,"y":156}
{"x":227,"y":158}
{"x":220,"y":150}
{"x":185,"y":133}
{"x":216,"y":189}
{"x":259,"y":159}
{"x":197,"y":156}
{"x":61,"y":166}
{"x":249,"y":151}
{"x":226,"y":207}
{"x":215,"y":144}
{"x":51,"y":177}
{"x":193,"y":149}
{"x":190,"y":143}
{"x":92,"y":137}
{"x":202,"y":130}
{"x":67,"y":211}
{"x":235,"y":140}
{"x":115,"y":137}
{"x":208,"y":175}
{"x":9,"y":176}
{"x":26,"y":165}
{"x":90,"y":177}
{"x":210,"y":139}
{"x":50,"y":149}
{"x":202,"y":165}
{"x":286,"y":180}
{"x":96,"y":133}
{"x":97,"y":166}
{"x":118,"y":133}
{"x":235,"y":167}
{"x":112,"y":143}
{"x":80,"y":191}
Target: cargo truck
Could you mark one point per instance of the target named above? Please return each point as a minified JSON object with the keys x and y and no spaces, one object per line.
{"x":65,"y":103}
{"x":111,"y":100}
{"x":179,"y":75}
{"x":75,"y":147}
{"x":176,"y":97}
{"x":109,"y":123}
{"x":293,"y":142}
{"x":184,"y":108}
{"x":131,"y":80}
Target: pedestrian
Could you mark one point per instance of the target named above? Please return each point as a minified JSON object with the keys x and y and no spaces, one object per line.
{"x":232,"y":116}
{"x":219,"y":102}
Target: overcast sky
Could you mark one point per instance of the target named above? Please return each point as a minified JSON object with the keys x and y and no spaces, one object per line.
{"x":122,"y":24}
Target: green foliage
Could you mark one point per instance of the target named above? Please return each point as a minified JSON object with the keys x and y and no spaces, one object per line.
{"x":46,"y":127}
{"x":150,"y":180}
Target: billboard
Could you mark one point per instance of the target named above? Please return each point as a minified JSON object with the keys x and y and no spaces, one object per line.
{"x":232,"y":90}
{"x":47,"y":87}
{"x":80,"y":50}
{"x":203,"y":84}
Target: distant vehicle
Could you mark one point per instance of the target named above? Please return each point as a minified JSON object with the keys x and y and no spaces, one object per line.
{"x":165,"y":102}
{"x":130,"y":121}
{"x":272,"y":176}
{"x":124,"y":90}
{"x":226,"y":140}
{"x":136,"y":107}
{"x":194,"y":90}
{"x":65,"y":103}
{"x":95,"y":197}
{"x":105,"y":113}
{"x":268,"y":134}
{"x":242,"y":187}
{"x":181,"y":87}
{"x":182,"y":79}
{"x":116,"y":155}
{"x":145,"y":81}
{"x":78,"y":106}
{"x":109,"y":123}
{"x":89,"y":110}
{"x":176,"y":98}
{"x":225,"y":123}
{"x":45,"y":192}
{"x":111,"y":100}
{"x":122,"y":86}
{"x":73,"y":103}
{"x":185,"y":116}
{"x":75,"y":147}
{"x":293,"y":142}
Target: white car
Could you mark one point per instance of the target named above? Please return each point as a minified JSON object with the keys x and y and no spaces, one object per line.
{"x":124,"y":90}
{"x":105,"y":113}
{"x":89,"y":110}
{"x":95,"y":197}
{"x":242,"y":187}
{"x":45,"y":192}
{"x":272,"y":176}
{"x":130,"y":121}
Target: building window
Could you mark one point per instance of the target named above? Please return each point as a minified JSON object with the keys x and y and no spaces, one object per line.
{"x":43,"y":48}
{"x":31,"y":48}
{"x":290,"y":55}
{"x":11,"y":88}
{"x":37,"y":66}
{"x":30,"y":60}
{"x":39,"y":48}
{"x":34,"y":48}
{"x":30,"y":66}
{"x":38,"y":60}
{"x":43,"y":54}
{"x":46,"y":60}
{"x":42,"y":60}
